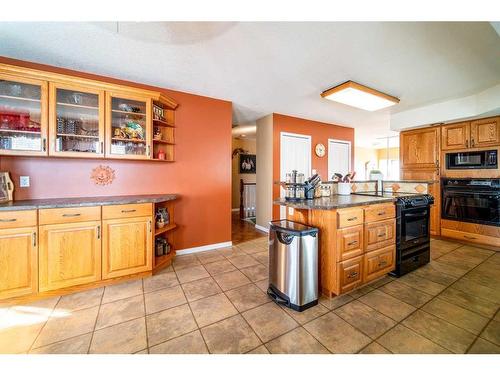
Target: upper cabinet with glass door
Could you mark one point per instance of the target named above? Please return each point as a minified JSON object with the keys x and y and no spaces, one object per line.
{"x":76,"y":121}
{"x":128,"y":126}
{"x":23,"y":116}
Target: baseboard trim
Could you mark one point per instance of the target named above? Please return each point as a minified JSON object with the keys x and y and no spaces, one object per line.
{"x":198,"y":249}
{"x":261,"y":228}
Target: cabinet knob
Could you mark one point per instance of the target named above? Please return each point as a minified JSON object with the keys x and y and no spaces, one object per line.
{"x":352,"y":243}
{"x":352,"y":275}
{"x":352,"y":218}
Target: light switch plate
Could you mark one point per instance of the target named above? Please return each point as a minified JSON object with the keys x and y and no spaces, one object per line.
{"x":24,"y":181}
{"x":290,"y":211}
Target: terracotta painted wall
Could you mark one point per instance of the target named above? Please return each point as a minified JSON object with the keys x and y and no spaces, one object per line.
{"x":201,"y":173}
{"x":320,"y":132}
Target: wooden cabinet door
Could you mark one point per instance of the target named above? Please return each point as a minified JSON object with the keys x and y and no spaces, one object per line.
{"x":380,"y":234}
{"x":18,"y":262}
{"x":485,"y":132}
{"x":70,"y":254}
{"x":378,"y":263}
{"x":349,"y":242}
{"x":455,"y":136}
{"x":127,"y":246}
{"x":434,"y":190}
{"x":419,"y":148}
{"x":350,"y":273}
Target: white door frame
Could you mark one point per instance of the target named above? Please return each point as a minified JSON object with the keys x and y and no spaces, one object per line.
{"x":328,"y":154}
{"x":307,"y":174}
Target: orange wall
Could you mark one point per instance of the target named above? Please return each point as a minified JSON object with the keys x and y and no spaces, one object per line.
{"x":201,"y":173}
{"x":320,"y":132}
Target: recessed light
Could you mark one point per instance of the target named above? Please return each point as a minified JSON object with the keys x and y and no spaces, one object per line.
{"x":359,"y":96}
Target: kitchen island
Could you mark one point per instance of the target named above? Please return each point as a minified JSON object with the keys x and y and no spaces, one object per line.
{"x":357,"y":238}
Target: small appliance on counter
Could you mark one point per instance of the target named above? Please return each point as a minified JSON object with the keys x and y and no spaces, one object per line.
{"x":296,"y":188}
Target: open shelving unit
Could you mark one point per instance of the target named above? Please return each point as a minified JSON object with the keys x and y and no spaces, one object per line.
{"x":167,"y":232}
{"x":163,"y":130}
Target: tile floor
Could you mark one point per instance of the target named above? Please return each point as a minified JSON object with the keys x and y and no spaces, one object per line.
{"x":215,"y":302}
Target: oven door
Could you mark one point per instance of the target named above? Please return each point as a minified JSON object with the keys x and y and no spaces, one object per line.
{"x":480,"y":207}
{"x":414,"y":226}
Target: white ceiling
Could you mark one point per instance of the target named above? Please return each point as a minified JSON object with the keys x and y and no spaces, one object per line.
{"x":277,"y":67}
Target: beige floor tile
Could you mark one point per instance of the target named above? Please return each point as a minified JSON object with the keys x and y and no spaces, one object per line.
{"x":374,"y":348}
{"x":256,"y":273}
{"x":259,"y":350}
{"x":231,"y":280}
{"x":478,"y":290}
{"x":402,"y":340}
{"x":302,"y":317}
{"x":128,"y":337}
{"x":232,"y":335}
{"x":443,"y":268}
{"x":74,"y":345}
{"x":144,"y":351}
{"x":247,"y":297}
{"x":200,"y":289}
{"x":164,"y":299}
{"x":160,"y":281}
{"x":337,"y":335}
{"x":263,"y":285}
{"x":382,"y":281}
{"x":220,"y":267}
{"x":269,"y":321}
{"x":191,"y":343}
{"x":356,"y":293}
{"x":262,"y":257}
{"x":18,"y":338}
{"x":120,"y":311}
{"x":430,"y":273}
{"x":405,"y":293}
{"x":457,"y":315}
{"x":81,"y":300}
{"x":424,"y":285}
{"x":492,"y":332}
{"x":458,"y":261}
{"x":445,"y":245}
{"x":212,"y":309}
{"x":168,"y":324}
{"x":242,"y":261}
{"x":45,"y":303}
{"x":387,"y":305}
{"x":474,"y":253}
{"x":484,"y":280}
{"x":231,"y":252}
{"x":497,"y":316}
{"x":470,"y":302}
{"x":253,"y":249}
{"x":187,"y":275}
{"x":298,"y":341}
{"x":63,"y":326}
{"x":185,"y":261}
{"x":335,"y":302}
{"x":484,"y":347}
{"x":367,"y":320}
{"x":209,"y":257}
{"x":123,"y":290}
{"x":439,"y":331}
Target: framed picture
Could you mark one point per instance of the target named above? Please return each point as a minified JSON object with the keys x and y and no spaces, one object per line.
{"x":248,"y":164}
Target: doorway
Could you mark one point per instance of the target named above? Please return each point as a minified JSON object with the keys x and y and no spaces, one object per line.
{"x":339,"y":157}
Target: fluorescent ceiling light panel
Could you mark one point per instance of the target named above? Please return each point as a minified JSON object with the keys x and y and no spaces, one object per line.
{"x":359,"y":96}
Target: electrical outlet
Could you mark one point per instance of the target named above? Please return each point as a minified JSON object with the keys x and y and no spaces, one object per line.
{"x":24,"y":181}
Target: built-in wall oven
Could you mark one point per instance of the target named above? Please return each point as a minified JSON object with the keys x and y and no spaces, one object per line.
{"x":471,"y":200}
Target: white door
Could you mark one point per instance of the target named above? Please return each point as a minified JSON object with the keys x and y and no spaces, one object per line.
{"x":295,"y":154}
{"x":339,"y":157}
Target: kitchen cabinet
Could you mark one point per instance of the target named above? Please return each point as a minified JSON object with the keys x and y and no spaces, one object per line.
{"x":455,"y":136}
{"x":485,"y":132}
{"x":18,"y":262}
{"x":379,"y":234}
{"x":76,"y":121}
{"x":127,"y":246}
{"x":350,"y":274}
{"x":69,"y":254}
{"x":419,"y":148}
{"x":349,"y":242}
{"x":378,"y":263}
{"x":23,"y":116}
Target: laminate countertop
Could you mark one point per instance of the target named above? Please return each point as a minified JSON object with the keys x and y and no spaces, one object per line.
{"x":334,"y":202}
{"x":33,"y":204}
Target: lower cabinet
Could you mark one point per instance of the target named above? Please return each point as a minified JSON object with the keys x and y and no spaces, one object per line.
{"x":127,"y":245}
{"x":380,"y":234}
{"x":350,"y":274}
{"x":69,"y":254}
{"x":378,"y":263}
{"x":18,"y":262}
{"x":349,"y":242}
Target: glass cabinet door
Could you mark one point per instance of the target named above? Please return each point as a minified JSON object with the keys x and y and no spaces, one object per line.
{"x":128,"y":127}
{"x":23,"y":116}
{"x":76,"y":121}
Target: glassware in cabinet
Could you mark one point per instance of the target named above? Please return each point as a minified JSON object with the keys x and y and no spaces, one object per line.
{"x":76,"y":121}
{"x":23,"y":116}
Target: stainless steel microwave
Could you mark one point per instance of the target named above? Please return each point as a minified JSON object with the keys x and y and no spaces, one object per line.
{"x":487,"y":159}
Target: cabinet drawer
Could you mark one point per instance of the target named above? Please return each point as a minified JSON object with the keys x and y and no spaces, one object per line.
{"x":69,"y":215}
{"x":378,"y":263}
{"x":379,"y":234}
{"x":127,"y":210}
{"x":350,"y":274}
{"x":379,"y":212}
{"x":470,"y":237}
{"x":349,"y":242}
{"x":17,"y":219}
{"x":349,"y":217}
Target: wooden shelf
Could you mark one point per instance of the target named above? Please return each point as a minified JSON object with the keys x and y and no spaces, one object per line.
{"x":166,"y":228}
{"x":19,"y":98}
{"x":162,"y":123}
{"x":19,"y":131}
{"x":128,"y":113}
{"x":78,"y":136}
{"x":128,"y":140}
{"x":163,"y":141}
{"x":160,"y":261}
{"x":77,"y":106}
{"x":161,"y":160}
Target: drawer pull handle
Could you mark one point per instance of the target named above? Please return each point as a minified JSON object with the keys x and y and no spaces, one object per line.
{"x":352,"y":243}
{"x":352,"y":218}
{"x":7,"y":220}
{"x":382,"y":235}
{"x":470,"y":237}
{"x":98,"y":232}
{"x":71,"y":215}
{"x":352,"y":275}
{"x":34,"y":239}
{"x":381,"y":213}
{"x":382,"y":263}
{"x":128,"y":211}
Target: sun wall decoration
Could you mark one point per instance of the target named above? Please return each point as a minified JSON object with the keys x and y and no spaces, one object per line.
{"x":103,"y":175}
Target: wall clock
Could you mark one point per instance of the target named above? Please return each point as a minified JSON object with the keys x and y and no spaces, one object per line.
{"x":320,"y":150}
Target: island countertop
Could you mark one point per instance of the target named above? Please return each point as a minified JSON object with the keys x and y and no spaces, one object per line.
{"x":33,"y":204}
{"x":335,"y":201}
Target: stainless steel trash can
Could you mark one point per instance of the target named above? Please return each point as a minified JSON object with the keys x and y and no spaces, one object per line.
{"x":293,"y":264}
